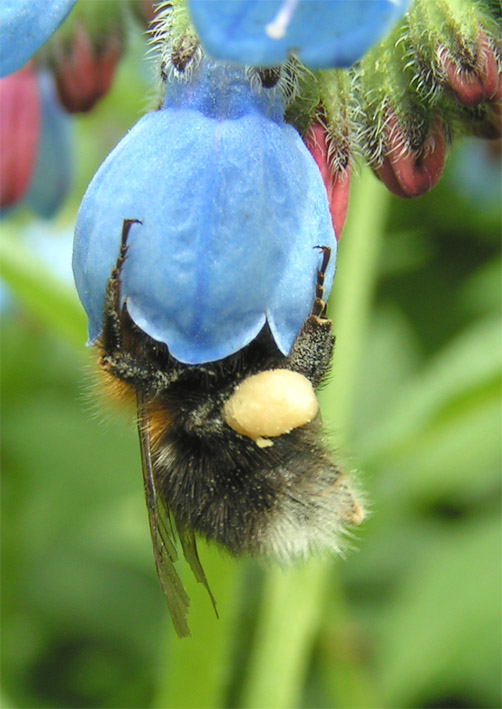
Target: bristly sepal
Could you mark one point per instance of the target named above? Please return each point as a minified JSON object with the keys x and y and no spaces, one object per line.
{"x":435,"y":76}
{"x":456,"y":51}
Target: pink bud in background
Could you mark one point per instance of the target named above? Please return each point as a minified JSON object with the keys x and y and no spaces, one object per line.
{"x":494,"y":122}
{"x":19,"y":133}
{"x":146,"y":8}
{"x":409,"y":172}
{"x":336,"y":181}
{"x":84,"y":67}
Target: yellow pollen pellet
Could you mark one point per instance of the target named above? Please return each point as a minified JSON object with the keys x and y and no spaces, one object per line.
{"x":270,"y":404}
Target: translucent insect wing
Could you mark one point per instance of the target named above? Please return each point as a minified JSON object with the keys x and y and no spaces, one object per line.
{"x":163,"y":541}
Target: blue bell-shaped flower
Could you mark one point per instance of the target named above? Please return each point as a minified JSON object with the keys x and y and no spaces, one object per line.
{"x":232,"y":207}
{"x":322,"y":33}
{"x":25,"y":26}
{"x":53,"y":172}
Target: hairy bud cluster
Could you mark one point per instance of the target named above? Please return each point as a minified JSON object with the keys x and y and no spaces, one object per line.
{"x":435,"y":76}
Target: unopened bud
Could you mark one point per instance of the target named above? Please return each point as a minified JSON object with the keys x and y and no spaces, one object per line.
{"x":475,"y":81}
{"x":84,"y":73}
{"x":336,"y":178}
{"x":19,"y":133}
{"x":407,"y":170}
{"x":84,"y":53}
{"x":144,"y":10}
{"x":52,"y":175}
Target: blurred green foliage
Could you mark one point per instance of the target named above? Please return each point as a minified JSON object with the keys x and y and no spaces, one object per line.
{"x":410,"y":619}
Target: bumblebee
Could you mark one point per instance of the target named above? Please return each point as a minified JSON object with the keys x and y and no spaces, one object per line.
{"x":231,"y":450}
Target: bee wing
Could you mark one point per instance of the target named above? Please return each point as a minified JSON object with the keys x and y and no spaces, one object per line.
{"x":163,"y":536}
{"x":189,"y":546}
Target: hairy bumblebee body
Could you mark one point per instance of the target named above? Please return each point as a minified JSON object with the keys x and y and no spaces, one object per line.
{"x":279,"y":497}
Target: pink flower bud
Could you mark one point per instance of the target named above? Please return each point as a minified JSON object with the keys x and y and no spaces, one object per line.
{"x":475,"y":84}
{"x":19,"y":133}
{"x":406,"y":171}
{"x":84,"y":67}
{"x":336,"y":181}
{"x":147,"y":10}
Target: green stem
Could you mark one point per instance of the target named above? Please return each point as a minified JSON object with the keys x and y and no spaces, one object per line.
{"x":351,"y":300}
{"x":293,"y":605}
{"x":194,"y":672}
{"x":286,"y":630}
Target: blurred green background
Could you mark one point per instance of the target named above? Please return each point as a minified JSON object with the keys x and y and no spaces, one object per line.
{"x":410,"y":618}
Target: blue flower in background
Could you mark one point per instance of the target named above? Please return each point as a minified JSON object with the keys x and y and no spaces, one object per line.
{"x":36,"y":144}
{"x":25,"y":25}
{"x":53,"y":172}
{"x":232,"y":205}
{"x":322,"y":33}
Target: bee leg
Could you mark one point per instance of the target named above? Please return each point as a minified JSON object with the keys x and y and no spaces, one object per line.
{"x":111,"y":338}
{"x":313,"y":347}
{"x":121,"y":364}
{"x":133,"y":371}
{"x":319,"y":306}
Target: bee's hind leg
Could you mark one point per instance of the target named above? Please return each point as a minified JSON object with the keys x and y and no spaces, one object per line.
{"x":319,"y":305}
{"x":313,"y":347}
{"x":111,"y":338}
{"x":114,"y":359}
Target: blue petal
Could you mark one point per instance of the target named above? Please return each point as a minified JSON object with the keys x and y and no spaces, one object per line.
{"x":232,"y":210}
{"x":26,"y":25}
{"x":322,"y":33}
{"x":52,"y":175}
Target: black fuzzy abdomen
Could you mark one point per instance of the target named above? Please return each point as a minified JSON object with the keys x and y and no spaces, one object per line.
{"x":217,"y":486}
{"x":283,"y":501}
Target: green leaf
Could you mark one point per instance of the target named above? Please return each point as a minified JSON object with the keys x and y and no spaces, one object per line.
{"x":48,"y":299}
{"x":443,"y":631}
{"x":391,"y":357}
{"x":468,"y":366}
